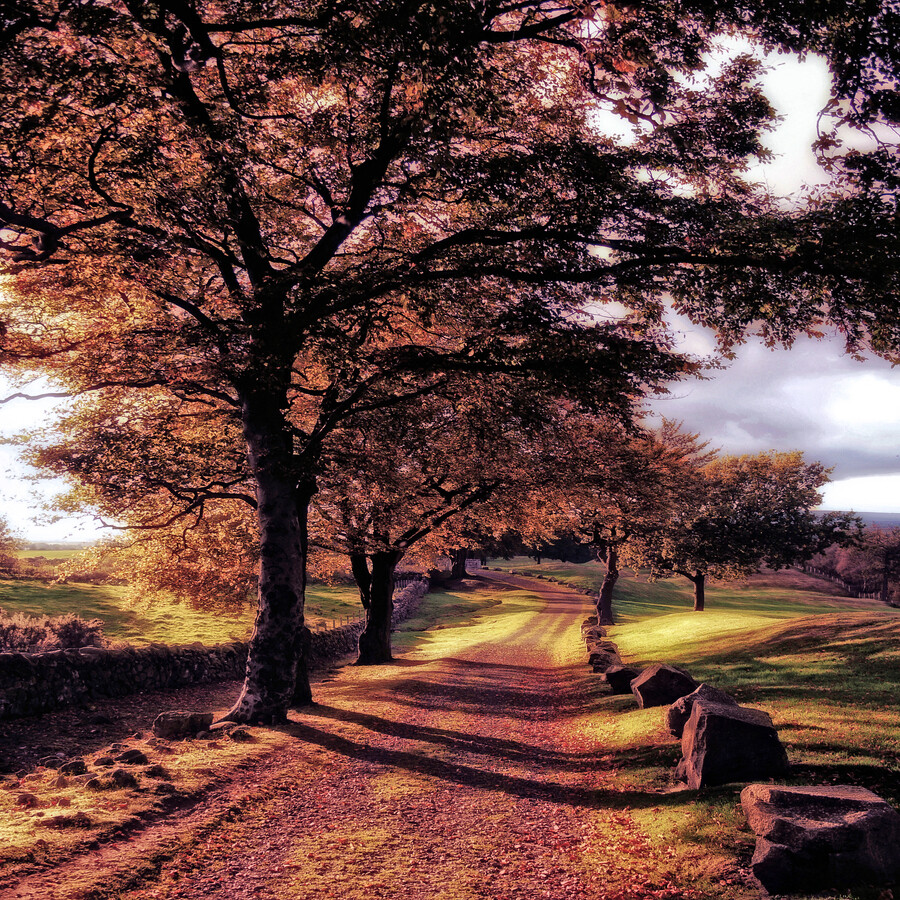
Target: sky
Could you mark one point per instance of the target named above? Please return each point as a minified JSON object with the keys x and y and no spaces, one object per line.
{"x":813,"y":397}
{"x":840,"y":412}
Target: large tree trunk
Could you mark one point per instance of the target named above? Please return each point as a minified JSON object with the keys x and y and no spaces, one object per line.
{"x":698,"y":579}
{"x":604,"y":599}
{"x":359,"y":566}
{"x":271,"y":682}
{"x":375,"y":640}
{"x":458,"y":563}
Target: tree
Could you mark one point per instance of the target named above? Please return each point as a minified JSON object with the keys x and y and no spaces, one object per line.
{"x":9,"y":543}
{"x":631,"y":485}
{"x":873,"y":558}
{"x":748,"y":511}
{"x":290,"y":213}
{"x":424,"y":474}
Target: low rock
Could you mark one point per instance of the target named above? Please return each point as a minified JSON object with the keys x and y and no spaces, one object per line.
{"x":222,"y":728}
{"x":27,"y":800}
{"x":122,"y":778}
{"x":104,"y":761}
{"x":601,"y":660}
{"x":133,"y":758}
{"x":165,"y":789}
{"x":680,"y":711}
{"x":608,"y":646}
{"x":661,"y":685}
{"x":619,"y":678}
{"x":158,"y":771}
{"x":723,"y":743}
{"x":52,"y":762}
{"x":178,"y":724}
{"x":822,"y":839}
{"x":74,"y":767}
{"x":76,"y":820}
{"x":241,"y":736}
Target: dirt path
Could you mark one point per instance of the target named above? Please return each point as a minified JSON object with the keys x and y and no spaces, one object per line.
{"x":463,"y":771}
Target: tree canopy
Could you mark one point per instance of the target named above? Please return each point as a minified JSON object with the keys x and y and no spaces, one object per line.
{"x":296,"y":213}
{"x":746,"y":512}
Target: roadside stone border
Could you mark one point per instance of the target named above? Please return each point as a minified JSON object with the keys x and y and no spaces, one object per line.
{"x":35,"y":683}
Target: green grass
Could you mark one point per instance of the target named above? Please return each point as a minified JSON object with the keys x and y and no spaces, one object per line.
{"x":774,"y":595}
{"x":824,"y":666}
{"x":47,"y":554}
{"x":162,"y":622}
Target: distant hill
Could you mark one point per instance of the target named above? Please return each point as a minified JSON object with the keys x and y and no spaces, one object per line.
{"x":885,"y":520}
{"x":882,"y":519}
{"x":56,"y":545}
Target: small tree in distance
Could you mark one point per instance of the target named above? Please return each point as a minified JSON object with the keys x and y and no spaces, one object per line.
{"x":870,"y":562}
{"x":9,"y":543}
{"x":748,"y":511}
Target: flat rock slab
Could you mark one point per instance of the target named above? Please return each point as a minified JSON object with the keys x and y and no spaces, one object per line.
{"x":661,"y":685}
{"x":816,"y":839}
{"x":680,"y":711}
{"x":722,"y":743}
{"x":601,"y":660}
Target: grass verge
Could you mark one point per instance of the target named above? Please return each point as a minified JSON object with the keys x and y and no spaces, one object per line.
{"x":824,"y":666}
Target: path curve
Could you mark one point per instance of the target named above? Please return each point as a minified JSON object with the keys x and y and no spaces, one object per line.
{"x":465,"y":770}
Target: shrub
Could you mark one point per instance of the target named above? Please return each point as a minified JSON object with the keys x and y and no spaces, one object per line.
{"x":40,"y":633}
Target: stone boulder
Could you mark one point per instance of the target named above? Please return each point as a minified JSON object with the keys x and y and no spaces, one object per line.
{"x":680,"y":711}
{"x":822,"y":839}
{"x":619,"y":678}
{"x":179,"y":724}
{"x":661,"y":685}
{"x":722,"y":743}
{"x":594,"y":633}
{"x":601,"y":660}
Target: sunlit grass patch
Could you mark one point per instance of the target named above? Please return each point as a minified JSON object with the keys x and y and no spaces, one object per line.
{"x":450,"y":610}
{"x":395,"y":785}
{"x":326,"y":603}
{"x":160,"y":621}
{"x":355,"y":861}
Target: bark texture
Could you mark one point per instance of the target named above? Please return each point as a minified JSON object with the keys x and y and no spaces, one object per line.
{"x":698,"y":579}
{"x":271,"y":683}
{"x":604,"y":599}
{"x":359,"y":566}
{"x":375,"y":640}
{"x":458,"y":563}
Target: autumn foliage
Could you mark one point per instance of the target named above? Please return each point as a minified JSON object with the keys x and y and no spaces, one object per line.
{"x":239,"y":230}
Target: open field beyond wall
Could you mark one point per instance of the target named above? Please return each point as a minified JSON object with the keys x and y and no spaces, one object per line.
{"x":159,"y":621}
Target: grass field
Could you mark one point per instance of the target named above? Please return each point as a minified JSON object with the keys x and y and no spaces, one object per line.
{"x":169,"y":623}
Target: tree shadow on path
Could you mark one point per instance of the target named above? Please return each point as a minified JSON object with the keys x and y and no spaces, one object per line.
{"x":473,"y":777}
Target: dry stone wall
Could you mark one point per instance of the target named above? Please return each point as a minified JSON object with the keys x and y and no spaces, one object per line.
{"x":35,"y":683}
